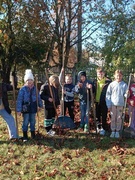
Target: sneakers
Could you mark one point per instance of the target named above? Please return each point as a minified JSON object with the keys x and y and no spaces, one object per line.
{"x":25,"y":140}
{"x":86,"y":129}
{"x":80,"y":128}
{"x":102,"y":132}
{"x":112,"y":135}
{"x":51,"y":132}
{"x":98,"y":130}
{"x":117,"y":135}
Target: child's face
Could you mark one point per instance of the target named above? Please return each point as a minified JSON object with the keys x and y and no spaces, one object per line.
{"x":68,"y":80}
{"x":100,"y":74}
{"x":29,"y":82}
{"x":82,"y":78}
{"x":118,"y":77}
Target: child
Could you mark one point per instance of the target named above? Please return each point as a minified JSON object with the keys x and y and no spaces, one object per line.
{"x":69,"y":90}
{"x":50,"y":110}
{"x":131,"y":103}
{"x":5,"y":110}
{"x":27,"y":96}
{"x":115,"y":102}
{"x":100,"y":84}
{"x":81,"y":89}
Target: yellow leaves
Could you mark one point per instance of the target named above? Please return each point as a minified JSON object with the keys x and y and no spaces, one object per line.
{"x":5,"y":37}
{"x":53,"y":173}
{"x":21,"y":172}
{"x":16,"y":162}
{"x":118,"y":150}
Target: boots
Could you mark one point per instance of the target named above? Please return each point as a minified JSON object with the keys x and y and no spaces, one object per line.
{"x":33,"y":134}
{"x":25,"y":136}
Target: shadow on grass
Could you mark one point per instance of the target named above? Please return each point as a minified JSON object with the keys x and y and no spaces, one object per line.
{"x":75,"y":140}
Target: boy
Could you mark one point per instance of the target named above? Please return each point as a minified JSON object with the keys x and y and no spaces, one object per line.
{"x":100,"y":85}
{"x":115,"y":102}
{"x":69,"y":90}
{"x":81,"y":90}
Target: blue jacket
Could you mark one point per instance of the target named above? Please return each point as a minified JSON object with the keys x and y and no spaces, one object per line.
{"x":25,"y":95}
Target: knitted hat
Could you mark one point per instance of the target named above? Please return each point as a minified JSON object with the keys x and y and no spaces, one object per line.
{"x":28,"y":75}
{"x":82,"y":73}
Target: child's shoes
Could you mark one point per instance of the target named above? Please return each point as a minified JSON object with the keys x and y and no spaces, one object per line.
{"x":112,"y":134}
{"x":117,"y":135}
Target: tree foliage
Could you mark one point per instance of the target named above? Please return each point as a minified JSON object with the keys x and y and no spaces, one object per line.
{"x":37,"y":34}
{"x":119,"y":36}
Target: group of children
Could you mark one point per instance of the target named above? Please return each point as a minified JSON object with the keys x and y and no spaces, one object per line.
{"x":109,"y":97}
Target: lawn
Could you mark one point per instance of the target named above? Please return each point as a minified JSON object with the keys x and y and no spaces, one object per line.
{"x":71,"y":155}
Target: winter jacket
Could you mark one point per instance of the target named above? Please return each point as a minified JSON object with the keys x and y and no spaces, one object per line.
{"x":115,"y":94}
{"x":132,"y":94}
{"x":5,"y":89}
{"x":68,"y":88}
{"x":26,"y":95}
{"x":45,"y":95}
{"x":82,"y":92}
{"x":104,"y":89}
{"x":69,"y":92}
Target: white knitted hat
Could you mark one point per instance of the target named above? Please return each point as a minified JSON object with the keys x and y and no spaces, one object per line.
{"x":28,"y":75}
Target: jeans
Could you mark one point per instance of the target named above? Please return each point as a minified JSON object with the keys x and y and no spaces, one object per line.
{"x":29,"y":118}
{"x":84,"y":118}
{"x":10,"y":123}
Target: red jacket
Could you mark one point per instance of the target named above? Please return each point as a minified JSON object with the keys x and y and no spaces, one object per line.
{"x":132,"y":94}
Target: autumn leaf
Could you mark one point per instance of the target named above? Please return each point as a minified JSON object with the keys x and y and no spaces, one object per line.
{"x":103,"y":158}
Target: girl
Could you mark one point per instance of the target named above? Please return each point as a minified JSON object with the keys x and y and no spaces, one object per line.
{"x":131,"y":103}
{"x":5,"y":111}
{"x":27,"y":104}
{"x":50,"y":110}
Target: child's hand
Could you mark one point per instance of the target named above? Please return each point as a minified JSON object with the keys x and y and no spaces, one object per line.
{"x":131,"y":102}
{"x":128,"y":93}
{"x":50,"y":100}
{"x":19,"y":113}
{"x":39,"y":108}
{"x":89,"y":86}
{"x":80,"y":85}
{"x":109,"y":109}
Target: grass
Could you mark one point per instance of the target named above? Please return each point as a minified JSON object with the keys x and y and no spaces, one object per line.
{"x":71,"y":156}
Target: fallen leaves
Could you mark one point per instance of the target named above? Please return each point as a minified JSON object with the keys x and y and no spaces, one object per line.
{"x":117,"y":150}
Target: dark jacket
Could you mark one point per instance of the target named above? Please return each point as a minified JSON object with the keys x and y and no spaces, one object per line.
{"x":5,"y":89}
{"x":104,"y":89}
{"x":45,"y":95}
{"x":70,"y":90}
{"x":82,"y":92}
